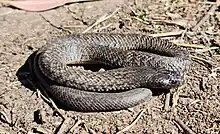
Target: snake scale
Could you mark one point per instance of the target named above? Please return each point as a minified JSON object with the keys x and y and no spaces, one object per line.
{"x":141,"y":63}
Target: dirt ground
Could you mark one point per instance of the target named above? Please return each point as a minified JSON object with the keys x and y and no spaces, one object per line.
{"x":196,"y":103}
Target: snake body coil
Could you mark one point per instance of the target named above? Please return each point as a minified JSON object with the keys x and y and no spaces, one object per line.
{"x":142,"y":63}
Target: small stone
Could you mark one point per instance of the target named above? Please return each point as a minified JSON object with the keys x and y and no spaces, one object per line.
{"x":102,"y":70}
{"x":39,"y":116}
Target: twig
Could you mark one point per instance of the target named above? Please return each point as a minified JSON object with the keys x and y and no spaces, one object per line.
{"x":195,"y":101}
{"x":206,"y":49}
{"x":57,"y":109}
{"x":49,"y":100}
{"x":41,"y":130}
{"x":63,"y":126}
{"x":53,"y":25}
{"x":40,"y":95}
{"x":92,"y":131}
{"x":183,"y":34}
{"x":167,"y":102}
{"x":134,"y":122}
{"x":187,"y":45}
{"x":103,"y":18}
{"x":104,"y":27}
{"x":75,"y":126}
{"x":206,"y":17}
{"x":167,"y":34}
{"x":85,"y":127}
{"x":183,"y":126}
{"x":176,"y":96}
{"x":207,"y":2}
{"x":170,"y":22}
{"x":4,"y":118}
{"x":141,"y":20}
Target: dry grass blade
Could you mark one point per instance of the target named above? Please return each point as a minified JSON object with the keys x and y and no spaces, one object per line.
{"x":4,"y":118}
{"x":183,"y":126}
{"x":73,"y":128}
{"x":167,"y":34}
{"x":141,"y":20}
{"x":188,"y":45}
{"x":134,"y":122}
{"x":176,"y":96}
{"x":53,"y":25}
{"x":206,"y":49}
{"x":63,"y":126}
{"x":42,"y":130}
{"x":49,"y":100}
{"x":103,"y":18}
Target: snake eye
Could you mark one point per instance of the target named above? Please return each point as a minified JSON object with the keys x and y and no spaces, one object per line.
{"x":175,"y":80}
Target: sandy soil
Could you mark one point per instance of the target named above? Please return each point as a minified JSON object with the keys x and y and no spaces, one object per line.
{"x":196,"y":104}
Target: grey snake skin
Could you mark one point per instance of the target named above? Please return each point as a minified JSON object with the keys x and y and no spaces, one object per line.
{"x":142,"y":63}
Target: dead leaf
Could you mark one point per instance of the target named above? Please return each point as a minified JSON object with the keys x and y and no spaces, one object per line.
{"x":40,"y":5}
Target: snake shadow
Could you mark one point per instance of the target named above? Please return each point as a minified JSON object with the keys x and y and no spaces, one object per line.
{"x":27,"y":79}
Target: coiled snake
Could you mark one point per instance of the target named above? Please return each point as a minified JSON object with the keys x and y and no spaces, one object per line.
{"x":142,"y":63}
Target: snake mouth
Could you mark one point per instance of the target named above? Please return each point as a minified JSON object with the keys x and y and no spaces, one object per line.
{"x":172,"y":82}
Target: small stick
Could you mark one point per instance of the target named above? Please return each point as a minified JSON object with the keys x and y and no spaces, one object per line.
{"x":167,"y":34}
{"x":134,"y":122}
{"x":183,"y":34}
{"x":57,"y":109}
{"x":49,"y":100}
{"x":92,"y":131}
{"x":53,"y":25}
{"x":142,"y":21}
{"x":103,"y":18}
{"x":75,"y":126}
{"x":207,"y":2}
{"x":104,"y":27}
{"x":176,"y":96}
{"x":41,"y":130}
{"x":63,"y":126}
{"x":5,"y":118}
{"x":168,"y":22}
{"x":206,"y":17}
{"x":206,"y":49}
{"x":183,"y":126}
{"x":167,"y":102}
{"x":85,"y":127}
{"x":187,"y":45}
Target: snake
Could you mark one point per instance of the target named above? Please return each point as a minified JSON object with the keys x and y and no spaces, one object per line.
{"x":140,"y":63}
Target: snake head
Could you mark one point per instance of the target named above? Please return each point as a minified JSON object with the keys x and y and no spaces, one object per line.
{"x":165,"y":80}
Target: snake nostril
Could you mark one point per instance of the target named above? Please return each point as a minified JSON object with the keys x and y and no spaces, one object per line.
{"x":174,"y":82}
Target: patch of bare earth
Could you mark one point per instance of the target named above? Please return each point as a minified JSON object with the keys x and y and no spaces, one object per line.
{"x":193,"y":108}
